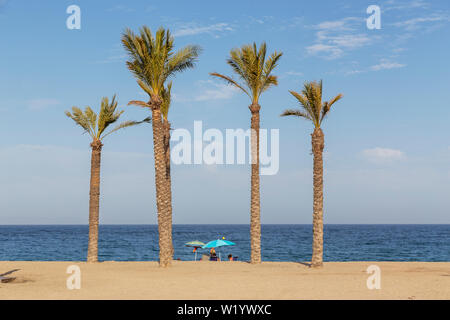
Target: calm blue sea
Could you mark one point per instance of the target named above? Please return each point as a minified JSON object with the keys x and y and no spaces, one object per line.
{"x":279,"y":242}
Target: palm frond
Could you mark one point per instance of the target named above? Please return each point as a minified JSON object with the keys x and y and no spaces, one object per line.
{"x":91,"y":116}
{"x":166,"y":100}
{"x":253,"y":68}
{"x":268,"y":82}
{"x":310,"y":100}
{"x":335,"y":99}
{"x":82,"y":120}
{"x":327,"y":105}
{"x":183,"y":59}
{"x":108,"y":114}
{"x":152,"y":59}
{"x":312,"y":93}
{"x":238,"y":63}
{"x":304,"y":103}
{"x":296,"y":113}
{"x":145,"y":87}
{"x":229,"y":81}
{"x":272,"y":62}
{"x":96,"y":125}
{"x":126,"y":124}
{"x":139,"y":104}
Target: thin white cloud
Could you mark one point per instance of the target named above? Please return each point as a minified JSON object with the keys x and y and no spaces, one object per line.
{"x":294,"y":22}
{"x":398,"y":50}
{"x":334,"y":38}
{"x":331,"y":52}
{"x":294,"y":73}
{"x":419,"y":22}
{"x":356,"y":71}
{"x":212,"y":90}
{"x":40,"y":104}
{"x":115,"y":54}
{"x":336,"y":25}
{"x":120,"y":8}
{"x":207,"y":90}
{"x":350,"y":41}
{"x":404,"y":5}
{"x":386,"y":65}
{"x":408,"y":27}
{"x":114,"y":59}
{"x":261,"y":20}
{"x":193,"y":29}
{"x":383,"y":155}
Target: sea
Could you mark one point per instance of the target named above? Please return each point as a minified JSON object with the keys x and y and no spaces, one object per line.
{"x":342,"y":242}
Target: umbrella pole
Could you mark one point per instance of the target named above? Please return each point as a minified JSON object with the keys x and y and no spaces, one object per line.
{"x":195,"y":259}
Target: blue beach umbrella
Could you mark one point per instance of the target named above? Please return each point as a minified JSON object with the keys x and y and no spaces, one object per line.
{"x":218,"y":243}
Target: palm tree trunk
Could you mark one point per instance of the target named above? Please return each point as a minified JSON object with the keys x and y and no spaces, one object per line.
{"x":166,"y":126}
{"x":94,"y":201}
{"x":162,"y":200}
{"x":317,"y":147}
{"x":255,"y":205}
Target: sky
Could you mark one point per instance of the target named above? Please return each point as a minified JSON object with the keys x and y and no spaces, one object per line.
{"x":387,"y":142}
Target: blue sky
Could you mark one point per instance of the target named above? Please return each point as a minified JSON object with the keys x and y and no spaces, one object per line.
{"x":387,"y":154}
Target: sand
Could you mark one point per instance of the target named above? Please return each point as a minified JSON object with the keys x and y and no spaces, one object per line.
{"x":226,"y":280}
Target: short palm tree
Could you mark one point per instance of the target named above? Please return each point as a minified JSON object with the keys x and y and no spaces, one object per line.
{"x":96,"y":125}
{"x":315,"y":110}
{"x":254,"y":71}
{"x":152,"y":61}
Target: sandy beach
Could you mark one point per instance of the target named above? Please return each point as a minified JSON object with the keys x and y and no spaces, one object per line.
{"x":226,"y":280}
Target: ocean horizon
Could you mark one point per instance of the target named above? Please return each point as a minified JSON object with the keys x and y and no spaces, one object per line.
{"x":279,"y":242}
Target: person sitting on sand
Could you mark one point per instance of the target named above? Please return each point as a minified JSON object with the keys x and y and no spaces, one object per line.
{"x":213,"y":255}
{"x":230,"y":257}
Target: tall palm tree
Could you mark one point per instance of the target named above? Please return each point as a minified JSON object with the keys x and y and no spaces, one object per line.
{"x":315,"y":110}
{"x":249,"y":63}
{"x":152,"y":61}
{"x":96,"y":125}
{"x":165,"y":106}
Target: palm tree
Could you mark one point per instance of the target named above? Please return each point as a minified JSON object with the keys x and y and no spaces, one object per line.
{"x":152,"y":61}
{"x":165,"y":106}
{"x":254,"y":72}
{"x":96,"y":125}
{"x":315,"y":110}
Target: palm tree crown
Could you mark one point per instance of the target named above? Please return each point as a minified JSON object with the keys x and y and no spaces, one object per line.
{"x":96,"y":125}
{"x":311,"y":101}
{"x":252,"y":68}
{"x":152,"y":59}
